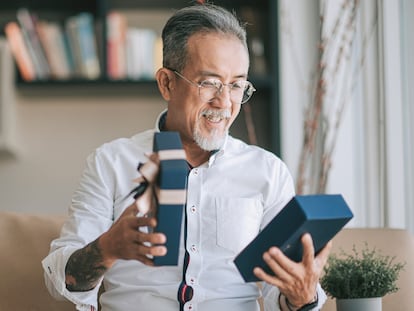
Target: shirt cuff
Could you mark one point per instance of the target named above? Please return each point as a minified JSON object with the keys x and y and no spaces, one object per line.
{"x":320,"y":294}
{"x":54,"y":271}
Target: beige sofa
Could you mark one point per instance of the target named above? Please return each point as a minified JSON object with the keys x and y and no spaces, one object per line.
{"x":24,"y":242}
{"x":25,"y":239}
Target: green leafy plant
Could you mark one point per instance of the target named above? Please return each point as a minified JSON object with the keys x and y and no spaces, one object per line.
{"x":360,"y":275}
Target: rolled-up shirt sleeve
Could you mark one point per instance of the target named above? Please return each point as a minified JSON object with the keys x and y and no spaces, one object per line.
{"x":90,"y":214}
{"x":54,"y":267}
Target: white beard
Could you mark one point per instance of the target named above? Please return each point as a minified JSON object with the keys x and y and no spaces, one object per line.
{"x":215,"y":139}
{"x":210,"y":143}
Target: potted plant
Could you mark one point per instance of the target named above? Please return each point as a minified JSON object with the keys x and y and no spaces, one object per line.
{"x":364,"y":277}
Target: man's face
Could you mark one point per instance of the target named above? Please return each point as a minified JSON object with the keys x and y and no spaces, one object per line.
{"x":206,"y":122}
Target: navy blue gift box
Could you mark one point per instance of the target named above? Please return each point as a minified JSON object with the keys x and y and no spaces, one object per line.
{"x":323,"y":216}
{"x":171,"y":193}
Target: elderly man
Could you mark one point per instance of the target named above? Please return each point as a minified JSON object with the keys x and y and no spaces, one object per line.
{"x":233,"y":191}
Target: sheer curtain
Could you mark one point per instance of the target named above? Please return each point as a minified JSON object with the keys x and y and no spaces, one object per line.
{"x":407,"y":39}
{"x":371,"y":164}
{"x":398,"y":46}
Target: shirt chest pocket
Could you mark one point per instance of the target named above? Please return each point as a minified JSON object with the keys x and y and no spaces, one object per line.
{"x":238,"y":221}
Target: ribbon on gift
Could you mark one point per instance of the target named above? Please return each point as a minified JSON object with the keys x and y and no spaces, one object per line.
{"x":171,"y":154}
{"x":171,"y":197}
{"x":149,"y":171}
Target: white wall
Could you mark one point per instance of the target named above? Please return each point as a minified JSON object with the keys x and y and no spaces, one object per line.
{"x":55,"y":134}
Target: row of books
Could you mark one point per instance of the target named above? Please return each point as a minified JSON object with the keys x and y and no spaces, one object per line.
{"x":132,"y":53}
{"x":48,"y":50}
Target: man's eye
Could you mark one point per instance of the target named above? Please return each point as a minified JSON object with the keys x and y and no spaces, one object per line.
{"x":238,"y":85}
{"x":209,"y":83}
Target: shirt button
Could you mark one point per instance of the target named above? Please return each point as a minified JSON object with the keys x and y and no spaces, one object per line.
{"x":193,"y":248}
{"x":190,"y":307}
{"x":193,"y":209}
{"x":192,"y":281}
{"x":195,"y":171}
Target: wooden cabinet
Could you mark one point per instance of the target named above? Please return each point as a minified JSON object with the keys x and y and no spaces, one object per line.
{"x":261,"y":18}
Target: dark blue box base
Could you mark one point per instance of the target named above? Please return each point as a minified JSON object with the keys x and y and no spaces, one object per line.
{"x":323,"y":216}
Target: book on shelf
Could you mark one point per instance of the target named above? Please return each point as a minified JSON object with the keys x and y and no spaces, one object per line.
{"x":116,"y":46}
{"x":100,"y":44}
{"x":20,"y":51}
{"x":82,"y":45}
{"x":27,"y":21}
{"x":71,"y":30}
{"x":140,"y":49}
{"x":53,"y":40}
{"x":132,"y":52}
{"x":87,"y":43}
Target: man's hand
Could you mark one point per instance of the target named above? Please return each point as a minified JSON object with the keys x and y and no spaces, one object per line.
{"x":124,"y":240}
{"x":297,"y":281}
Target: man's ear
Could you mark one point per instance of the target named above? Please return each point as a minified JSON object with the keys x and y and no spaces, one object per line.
{"x":165,"y":82}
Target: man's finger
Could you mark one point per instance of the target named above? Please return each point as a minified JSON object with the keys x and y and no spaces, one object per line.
{"x":308,"y":250}
{"x":323,"y":255}
{"x":280,"y":264}
{"x":131,"y":210}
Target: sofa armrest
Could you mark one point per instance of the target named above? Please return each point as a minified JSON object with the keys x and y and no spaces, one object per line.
{"x":25,"y":241}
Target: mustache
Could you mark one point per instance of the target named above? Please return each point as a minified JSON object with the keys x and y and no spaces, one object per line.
{"x":216,"y":113}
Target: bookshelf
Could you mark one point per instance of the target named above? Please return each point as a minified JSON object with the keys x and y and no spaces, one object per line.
{"x":261,"y":18}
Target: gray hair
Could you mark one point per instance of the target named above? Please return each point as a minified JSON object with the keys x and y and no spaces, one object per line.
{"x":206,"y":18}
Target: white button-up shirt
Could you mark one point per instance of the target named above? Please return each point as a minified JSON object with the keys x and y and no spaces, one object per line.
{"x":230,"y":199}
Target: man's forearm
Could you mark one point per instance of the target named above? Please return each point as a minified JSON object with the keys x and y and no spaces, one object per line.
{"x":85,"y":268}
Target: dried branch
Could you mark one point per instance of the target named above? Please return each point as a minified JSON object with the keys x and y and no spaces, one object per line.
{"x":323,"y":115}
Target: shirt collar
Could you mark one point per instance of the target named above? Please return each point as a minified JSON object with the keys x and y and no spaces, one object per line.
{"x":160,"y":123}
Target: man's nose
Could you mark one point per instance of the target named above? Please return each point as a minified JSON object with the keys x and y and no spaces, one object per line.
{"x":223,"y":97}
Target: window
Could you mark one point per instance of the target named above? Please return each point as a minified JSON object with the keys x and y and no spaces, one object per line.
{"x":372,"y":165}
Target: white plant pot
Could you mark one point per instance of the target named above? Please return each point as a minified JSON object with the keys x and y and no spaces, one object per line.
{"x":359,"y":304}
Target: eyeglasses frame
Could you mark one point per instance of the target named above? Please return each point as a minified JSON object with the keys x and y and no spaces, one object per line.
{"x":219,"y":90}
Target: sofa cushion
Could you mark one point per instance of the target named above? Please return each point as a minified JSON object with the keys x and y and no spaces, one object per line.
{"x":25,"y":241}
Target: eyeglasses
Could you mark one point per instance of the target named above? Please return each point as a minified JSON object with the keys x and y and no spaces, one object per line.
{"x":240,"y":91}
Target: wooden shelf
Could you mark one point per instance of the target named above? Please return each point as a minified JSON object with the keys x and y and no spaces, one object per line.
{"x":51,"y":5}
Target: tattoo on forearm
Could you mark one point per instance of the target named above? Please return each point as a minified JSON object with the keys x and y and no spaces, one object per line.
{"x":85,"y":268}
